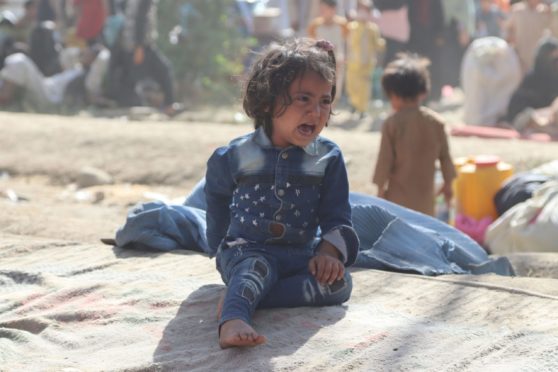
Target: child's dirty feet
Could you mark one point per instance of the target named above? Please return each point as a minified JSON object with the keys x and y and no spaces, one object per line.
{"x":236,"y":333}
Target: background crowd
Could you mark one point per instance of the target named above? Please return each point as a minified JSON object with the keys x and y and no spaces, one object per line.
{"x":84,"y":52}
{"x":108,"y":53}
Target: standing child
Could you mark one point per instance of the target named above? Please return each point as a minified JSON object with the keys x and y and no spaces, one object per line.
{"x":269,"y":191}
{"x":413,"y":138}
{"x":364,"y":45}
{"x":489,"y":19}
{"x":333,"y":27}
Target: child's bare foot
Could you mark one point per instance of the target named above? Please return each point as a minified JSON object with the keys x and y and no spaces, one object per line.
{"x":236,"y":332}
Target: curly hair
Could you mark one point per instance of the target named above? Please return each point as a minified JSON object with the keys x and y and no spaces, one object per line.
{"x":406,"y":76}
{"x":271,"y":75}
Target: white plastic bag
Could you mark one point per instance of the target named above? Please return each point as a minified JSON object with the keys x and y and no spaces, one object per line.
{"x":530,"y":226}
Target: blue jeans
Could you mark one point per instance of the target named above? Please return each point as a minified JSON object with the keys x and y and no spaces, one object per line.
{"x":273,"y":276}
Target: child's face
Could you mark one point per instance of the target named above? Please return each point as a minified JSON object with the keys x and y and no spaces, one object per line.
{"x":328,"y":12}
{"x":363,"y":13}
{"x":303,"y":119}
{"x":486,"y":5}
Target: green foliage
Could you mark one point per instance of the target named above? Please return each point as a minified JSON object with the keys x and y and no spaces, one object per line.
{"x":207,"y":58}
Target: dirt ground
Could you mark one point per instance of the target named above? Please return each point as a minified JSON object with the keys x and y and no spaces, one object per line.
{"x":71,"y":303}
{"x":42,"y":156}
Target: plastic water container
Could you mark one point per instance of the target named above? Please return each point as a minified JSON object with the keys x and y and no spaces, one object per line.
{"x":478,"y":180}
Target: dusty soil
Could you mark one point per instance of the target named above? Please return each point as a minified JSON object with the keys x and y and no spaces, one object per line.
{"x":41,"y":157}
{"x":71,"y":303}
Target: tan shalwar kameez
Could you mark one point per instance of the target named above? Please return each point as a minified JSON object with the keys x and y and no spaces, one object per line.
{"x":526,"y":26}
{"x":412,"y":140}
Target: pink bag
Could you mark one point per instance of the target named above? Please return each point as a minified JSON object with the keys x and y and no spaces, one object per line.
{"x":470,"y":226}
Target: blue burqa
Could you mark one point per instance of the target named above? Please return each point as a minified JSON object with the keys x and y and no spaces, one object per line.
{"x":392,"y":237}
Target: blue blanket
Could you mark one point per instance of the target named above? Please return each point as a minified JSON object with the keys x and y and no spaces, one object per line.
{"x":392,"y":237}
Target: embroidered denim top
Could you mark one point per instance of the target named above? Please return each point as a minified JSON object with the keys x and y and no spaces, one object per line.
{"x":279,"y":196}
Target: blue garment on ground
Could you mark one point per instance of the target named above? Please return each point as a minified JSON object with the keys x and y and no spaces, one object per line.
{"x":156,"y":225}
{"x":392,"y":237}
{"x":396,"y":238}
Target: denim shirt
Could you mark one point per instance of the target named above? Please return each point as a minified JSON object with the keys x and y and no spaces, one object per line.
{"x":253,"y":187}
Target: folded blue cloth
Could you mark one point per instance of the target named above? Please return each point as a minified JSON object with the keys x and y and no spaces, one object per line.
{"x":156,"y":225}
{"x":392,"y":237}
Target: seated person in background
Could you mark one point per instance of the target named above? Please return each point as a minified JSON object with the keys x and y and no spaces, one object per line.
{"x":413,"y":139}
{"x":45,"y":47}
{"x":542,"y":120}
{"x":89,"y":87}
{"x":19,"y":29}
{"x":21,"y":82}
{"x":136,"y":57}
{"x":81,"y":84}
{"x":538,"y":89}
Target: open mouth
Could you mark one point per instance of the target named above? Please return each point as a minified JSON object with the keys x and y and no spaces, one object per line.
{"x":306,"y":129}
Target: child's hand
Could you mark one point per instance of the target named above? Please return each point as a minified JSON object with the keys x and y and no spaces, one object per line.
{"x":325,"y":265}
{"x":447,"y":191}
{"x":139,"y":55}
{"x":381,"y":191}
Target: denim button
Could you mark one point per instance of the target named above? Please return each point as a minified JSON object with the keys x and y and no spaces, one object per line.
{"x":278,"y":217}
{"x":284,"y":155}
{"x":281,"y":192}
{"x":276,"y":229}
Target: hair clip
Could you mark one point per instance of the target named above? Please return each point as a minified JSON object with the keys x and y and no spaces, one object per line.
{"x":325,"y":45}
